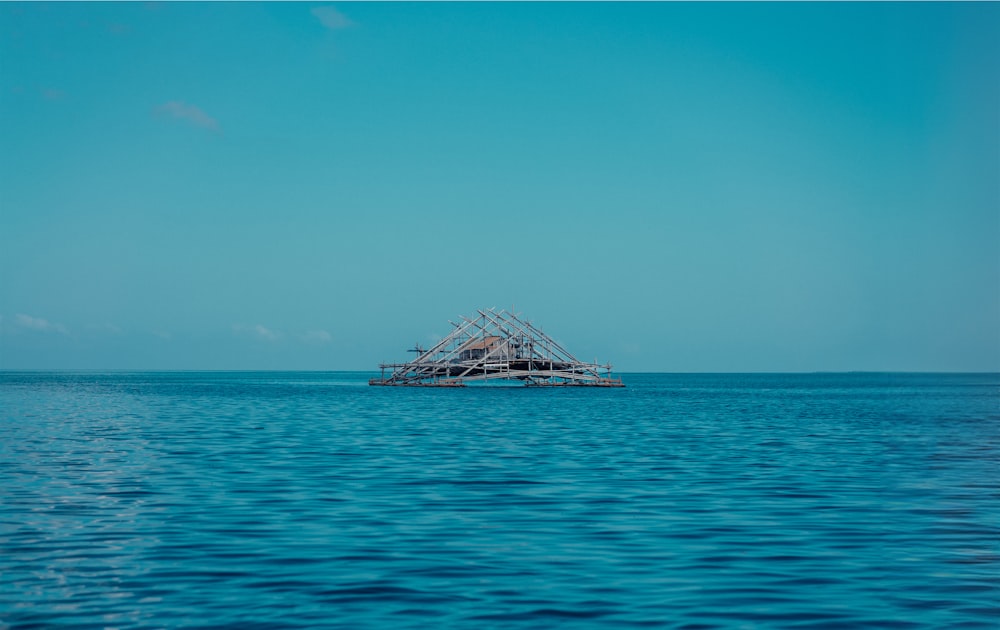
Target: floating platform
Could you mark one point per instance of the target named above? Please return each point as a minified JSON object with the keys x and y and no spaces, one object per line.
{"x":495,"y":345}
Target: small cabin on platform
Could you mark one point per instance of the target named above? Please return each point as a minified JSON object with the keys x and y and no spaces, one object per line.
{"x":496,"y":345}
{"x":477,"y":348}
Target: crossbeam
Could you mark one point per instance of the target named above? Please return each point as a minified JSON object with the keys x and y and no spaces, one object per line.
{"x":495,"y":345}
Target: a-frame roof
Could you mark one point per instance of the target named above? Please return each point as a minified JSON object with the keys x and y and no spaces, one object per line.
{"x":513,"y":348}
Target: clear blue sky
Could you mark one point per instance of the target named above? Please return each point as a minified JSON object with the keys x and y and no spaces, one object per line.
{"x":669,"y":187}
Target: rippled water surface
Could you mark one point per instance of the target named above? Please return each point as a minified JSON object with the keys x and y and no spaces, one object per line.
{"x":313,"y":500}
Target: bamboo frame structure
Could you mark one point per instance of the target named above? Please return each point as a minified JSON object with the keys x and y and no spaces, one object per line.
{"x":495,"y":345}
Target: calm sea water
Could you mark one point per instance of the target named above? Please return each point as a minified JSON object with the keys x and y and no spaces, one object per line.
{"x":312,"y":500}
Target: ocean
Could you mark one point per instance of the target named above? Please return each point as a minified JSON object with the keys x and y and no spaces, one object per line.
{"x":310,"y":500}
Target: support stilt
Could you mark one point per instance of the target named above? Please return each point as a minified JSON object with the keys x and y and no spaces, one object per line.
{"x":496,"y":345}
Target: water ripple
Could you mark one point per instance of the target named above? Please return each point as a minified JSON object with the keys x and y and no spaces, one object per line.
{"x":684,"y":501}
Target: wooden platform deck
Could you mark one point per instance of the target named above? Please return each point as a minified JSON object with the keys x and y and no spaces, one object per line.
{"x":496,"y":345}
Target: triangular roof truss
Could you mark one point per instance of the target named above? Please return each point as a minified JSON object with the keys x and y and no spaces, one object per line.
{"x":495,"y":345}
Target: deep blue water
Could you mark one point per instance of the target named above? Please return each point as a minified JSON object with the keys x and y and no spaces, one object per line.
{"x":312,"y":500}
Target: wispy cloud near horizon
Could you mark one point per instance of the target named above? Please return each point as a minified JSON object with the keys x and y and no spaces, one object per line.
{"x":317,"y":336}
{"x":38,"y":324}
{"x":332,"y":18}
{"x":188,"y":113}
{"x":257,"y":331}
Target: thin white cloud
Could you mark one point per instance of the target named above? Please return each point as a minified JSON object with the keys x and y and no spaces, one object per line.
{"x":38,"y":324}
{"x":266,"y":333}
{"x":332,"y":18}
{"x":257,"y":331}
{"x":317,"y":336}
{"x":188,"y":113}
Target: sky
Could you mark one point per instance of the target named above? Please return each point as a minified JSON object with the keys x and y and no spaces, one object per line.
{"x":669,"y":187}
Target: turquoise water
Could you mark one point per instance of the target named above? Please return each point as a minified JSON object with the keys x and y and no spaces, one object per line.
{"x":683,"y":501}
